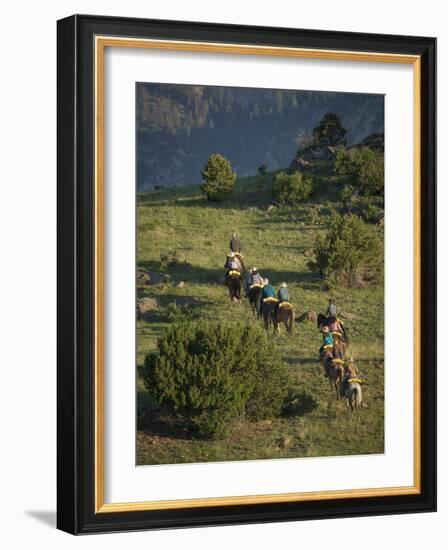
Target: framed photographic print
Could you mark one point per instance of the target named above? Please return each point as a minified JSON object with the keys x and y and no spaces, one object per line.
{"x":246,"y":267}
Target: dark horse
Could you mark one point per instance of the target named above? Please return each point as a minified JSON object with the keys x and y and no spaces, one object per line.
{"x":322,"y":320}
{"x":233,"y":282}
{"x":255,"y":300}
{"x":267,"y":310}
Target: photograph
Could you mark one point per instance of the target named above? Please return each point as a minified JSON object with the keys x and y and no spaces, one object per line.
{"x":260,"y":223}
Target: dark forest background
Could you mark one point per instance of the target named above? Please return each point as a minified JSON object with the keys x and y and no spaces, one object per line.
{"x":179,"y":126}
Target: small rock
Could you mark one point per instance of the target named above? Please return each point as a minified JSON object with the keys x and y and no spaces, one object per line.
{"x":181,"y":285}
{"x":284,"y":442}
{"x":270,"y":208}
{"x":308,"y":253}
{"x":142,"y":277}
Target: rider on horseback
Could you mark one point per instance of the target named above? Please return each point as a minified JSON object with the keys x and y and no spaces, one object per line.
{"x":326,"y":349}
{"x":283,"y":298}
{"x":268,"y":292}
{"x":235,"y":243}
{"x":232,"y":263}
{"x":328,"y":340}
{"x":253,"y":278}
{"x":283,"y":293}
{"x":332,"y":311}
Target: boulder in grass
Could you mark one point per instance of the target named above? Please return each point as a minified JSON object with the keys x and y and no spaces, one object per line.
{"x":310,"y":316}
{"x":146,"y":304}
{"x":142,"y":277}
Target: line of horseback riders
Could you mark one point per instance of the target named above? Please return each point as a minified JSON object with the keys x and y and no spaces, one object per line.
{"x":343,"y":374}
{"x":274,"y":307}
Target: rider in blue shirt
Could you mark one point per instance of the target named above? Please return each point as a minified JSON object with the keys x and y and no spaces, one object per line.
{"x":268,"y":290}
{"x":283,"y":294}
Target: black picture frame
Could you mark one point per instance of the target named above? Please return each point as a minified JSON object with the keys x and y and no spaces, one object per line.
{"x":76,"y":262}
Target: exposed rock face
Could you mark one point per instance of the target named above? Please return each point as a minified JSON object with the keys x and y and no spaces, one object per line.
{"x":374,"y":141}
{"x":311,"y":158}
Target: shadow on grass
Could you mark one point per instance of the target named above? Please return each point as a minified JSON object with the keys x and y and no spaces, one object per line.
{"x":154,"y":420}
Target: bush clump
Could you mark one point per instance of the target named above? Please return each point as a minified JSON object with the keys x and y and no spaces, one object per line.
{"x":218,"y":177}
{"x":351,"y":252}
{"x":363,"y":167}
{"x":292,"y":188}
{"x":212,"y":374}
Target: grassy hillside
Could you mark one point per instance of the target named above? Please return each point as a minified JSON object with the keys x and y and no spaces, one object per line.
{"x":276,"y":240}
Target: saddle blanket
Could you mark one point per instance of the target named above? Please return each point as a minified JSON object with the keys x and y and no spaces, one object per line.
{"x":234,"y":272}
{"x":256,"y":285}
{"x":270,"y":299}
{"x":353,"y":380}
{"x":285,"y":304}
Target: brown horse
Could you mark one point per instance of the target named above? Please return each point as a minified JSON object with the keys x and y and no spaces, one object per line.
{"x":233,"y":282}
{"x":325,"y":356}
{"x":284,"y":314}
{"x":335,"y":370}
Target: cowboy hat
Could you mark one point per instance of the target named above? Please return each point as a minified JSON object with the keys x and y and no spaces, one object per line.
{"x":325,"y":329}
{"x":283,"y":285}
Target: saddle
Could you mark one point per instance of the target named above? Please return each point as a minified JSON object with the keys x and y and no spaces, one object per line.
{"x":269,"y":300}
{"x":234,"y":272}
{"x":255,"y":285}
{"x":353,"y":380}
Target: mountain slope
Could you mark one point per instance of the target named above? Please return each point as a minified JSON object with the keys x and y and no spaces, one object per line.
{"x":179,"y":126}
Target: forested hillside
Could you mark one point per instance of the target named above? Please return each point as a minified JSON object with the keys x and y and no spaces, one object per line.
{"x":178,"y":126}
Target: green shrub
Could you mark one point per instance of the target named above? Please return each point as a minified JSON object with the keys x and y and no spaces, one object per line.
{"x":218,"y":176}
{"x":372,"y":214}
{"x":292,"y":188}
{"x":346,"y":193}
{"x":214,"y":373}
{"x":351,"y":252}
{"x":363,"y":167}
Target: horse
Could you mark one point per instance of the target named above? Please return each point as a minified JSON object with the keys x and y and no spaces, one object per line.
{"x":353,"y":395}
{"x":325,"y":355}
{"x":267,"y":310}
{"x":335,"y":371}
{"x":284,"y":314}
{"x":233,"y":282}
{"x":339,"y":347}
{"x":254,"y":296}
{"x":351,"y":388}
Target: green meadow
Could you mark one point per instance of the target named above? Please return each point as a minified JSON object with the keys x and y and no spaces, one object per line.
{"x":179,"y":223}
